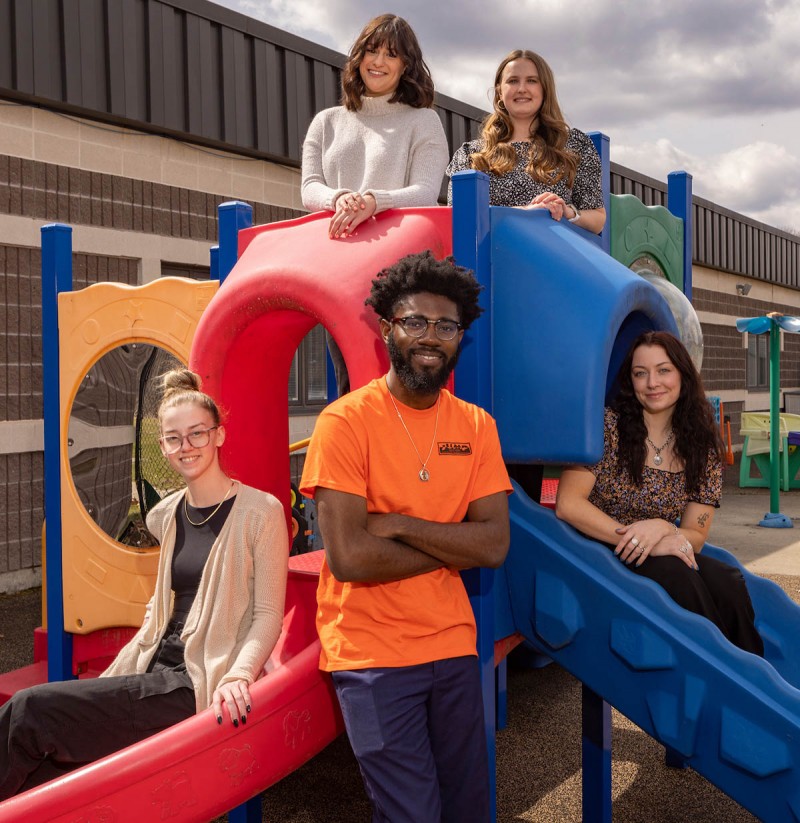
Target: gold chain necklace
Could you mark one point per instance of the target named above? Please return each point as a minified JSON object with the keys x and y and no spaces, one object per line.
{"x":657,"y":458}
{"x":216,"y":509}
{"x":424,"y":474}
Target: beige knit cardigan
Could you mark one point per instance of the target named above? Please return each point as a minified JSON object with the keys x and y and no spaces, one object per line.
{"x":237,"y":613}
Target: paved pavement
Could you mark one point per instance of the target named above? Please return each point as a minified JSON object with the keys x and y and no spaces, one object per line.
{"x":539,"y":754}
{"x":761,"y":550}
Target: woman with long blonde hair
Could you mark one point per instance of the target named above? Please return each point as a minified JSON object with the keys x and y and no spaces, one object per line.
{"x":533,"y":158}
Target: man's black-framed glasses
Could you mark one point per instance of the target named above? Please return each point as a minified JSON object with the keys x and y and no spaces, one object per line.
{"x":198,"y":439}
{"x":416,"y":326}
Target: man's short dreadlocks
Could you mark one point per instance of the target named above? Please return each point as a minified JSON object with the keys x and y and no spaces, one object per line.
{"x":422,"y":272}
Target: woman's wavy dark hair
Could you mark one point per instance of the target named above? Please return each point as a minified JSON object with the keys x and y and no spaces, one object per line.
{"x":416,"y":85}
{"x":549,"y":161}
{"x":422,"y":272}
{"x":696,"y":432}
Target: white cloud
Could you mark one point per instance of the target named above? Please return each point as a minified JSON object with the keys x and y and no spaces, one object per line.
{"x":761,"y":179}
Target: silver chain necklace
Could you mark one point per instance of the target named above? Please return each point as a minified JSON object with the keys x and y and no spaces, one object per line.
{"x":424,"y":474}
{"x":657,"y":458}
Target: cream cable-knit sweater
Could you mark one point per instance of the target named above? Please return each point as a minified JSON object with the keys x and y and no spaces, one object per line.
{"x":393,"y":151}
{"x":237,"y":613}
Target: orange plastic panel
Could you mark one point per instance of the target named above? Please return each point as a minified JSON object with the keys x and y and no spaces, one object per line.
{"x":105,"y":583}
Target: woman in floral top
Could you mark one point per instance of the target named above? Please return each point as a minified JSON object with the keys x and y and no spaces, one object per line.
{"x":533,"y":158}
{"x":662,"y":463}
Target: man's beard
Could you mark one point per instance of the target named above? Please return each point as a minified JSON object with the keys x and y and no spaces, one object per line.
{"x":422,"y":381}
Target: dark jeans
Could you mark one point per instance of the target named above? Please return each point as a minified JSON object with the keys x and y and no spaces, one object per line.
{"x":50,"y":729}
{"x":418,"y":735}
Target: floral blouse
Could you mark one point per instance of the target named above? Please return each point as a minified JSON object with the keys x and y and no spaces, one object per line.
{"x":662,"y":493}
{"x":518,"y":188}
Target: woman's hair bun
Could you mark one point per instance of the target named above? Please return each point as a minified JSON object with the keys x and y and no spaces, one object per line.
{"x":180,"y":381}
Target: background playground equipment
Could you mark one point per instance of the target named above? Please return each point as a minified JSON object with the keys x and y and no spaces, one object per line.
{"x":757,"y":448}
{"x":571,"y":311}
{"x":773,"y":323}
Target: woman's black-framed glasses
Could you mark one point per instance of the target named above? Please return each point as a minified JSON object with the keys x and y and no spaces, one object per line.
{"x":416,"y":326}
{"x":198,"y":439}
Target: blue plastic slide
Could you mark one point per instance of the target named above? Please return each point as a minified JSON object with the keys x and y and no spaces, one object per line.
{"x":563,"y":316}
{"x":733,"y":716}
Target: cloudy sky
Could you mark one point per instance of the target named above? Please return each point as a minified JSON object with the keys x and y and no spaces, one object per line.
{"x":710,"y":86}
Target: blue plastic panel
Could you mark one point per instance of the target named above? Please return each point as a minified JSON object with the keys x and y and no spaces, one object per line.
{"x":564,"y":314}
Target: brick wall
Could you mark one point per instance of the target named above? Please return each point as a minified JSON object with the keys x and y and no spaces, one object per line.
{"x":21,"y":498}
{"x":53,"y":193}
{"x":21,"y":475}
{"x":724,"y":366}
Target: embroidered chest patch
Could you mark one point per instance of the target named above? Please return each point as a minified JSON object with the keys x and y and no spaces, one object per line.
{"x":450,"y":447}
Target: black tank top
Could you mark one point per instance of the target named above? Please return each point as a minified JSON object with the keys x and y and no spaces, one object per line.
{"x":192,"y":548}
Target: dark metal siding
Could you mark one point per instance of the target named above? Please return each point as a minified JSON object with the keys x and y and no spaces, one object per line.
{"x":187,"y":68}
{"x":195,"y":70}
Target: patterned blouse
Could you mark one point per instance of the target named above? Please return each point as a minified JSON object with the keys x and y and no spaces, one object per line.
{"x":662,"y":493}
{"x":518,"y":188}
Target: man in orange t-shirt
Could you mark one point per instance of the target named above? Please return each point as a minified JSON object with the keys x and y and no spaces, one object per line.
{"x":410,"y":488}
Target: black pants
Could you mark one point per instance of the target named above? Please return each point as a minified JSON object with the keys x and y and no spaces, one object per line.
{"x":718,"y":592}
{"x":48,"y":730}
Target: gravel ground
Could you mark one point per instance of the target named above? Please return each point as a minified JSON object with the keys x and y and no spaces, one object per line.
{"x":538,"y":754}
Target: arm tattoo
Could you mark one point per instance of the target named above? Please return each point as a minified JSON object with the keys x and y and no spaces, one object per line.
{"x":701,"y":521}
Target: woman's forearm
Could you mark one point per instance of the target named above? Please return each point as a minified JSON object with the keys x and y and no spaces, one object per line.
{"x":587,"y":518}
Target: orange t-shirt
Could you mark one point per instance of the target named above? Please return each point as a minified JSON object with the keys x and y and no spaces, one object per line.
{"x":360,"y":447}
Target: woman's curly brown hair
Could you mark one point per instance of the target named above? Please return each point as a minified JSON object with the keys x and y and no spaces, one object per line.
{"x":416,"y":85}
{"x":549,"y":161}
{"x":696,"y":432}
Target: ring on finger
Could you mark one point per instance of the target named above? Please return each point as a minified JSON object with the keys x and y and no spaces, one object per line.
{"x":634,"y":541}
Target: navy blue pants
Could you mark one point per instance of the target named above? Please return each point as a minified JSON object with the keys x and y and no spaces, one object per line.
{"x":418,"y":735}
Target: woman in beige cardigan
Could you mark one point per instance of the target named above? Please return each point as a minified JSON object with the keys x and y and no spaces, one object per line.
{"x":209,"y":628}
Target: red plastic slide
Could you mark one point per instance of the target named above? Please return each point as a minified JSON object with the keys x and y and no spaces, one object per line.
{"x":289,"y":277}
{"x":198,"y":769}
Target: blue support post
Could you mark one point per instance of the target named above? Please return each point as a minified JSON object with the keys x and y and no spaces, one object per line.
{"x":332,"y":390}
{"x":501,"y":694}
{"x":596,"y":758}
{"x":603,"y":145}
{"x":679,"y":203}
{"x":471,"y":249}
{"x":233,"y":216}
{"x":56,"y":277}
{"x":247,"y":812}
{"x":213,"y":255}
{"x":471,"y":224}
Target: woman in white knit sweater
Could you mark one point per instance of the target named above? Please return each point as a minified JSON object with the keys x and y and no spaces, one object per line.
{"x":209,"y":628}
{"x":384,"y":147}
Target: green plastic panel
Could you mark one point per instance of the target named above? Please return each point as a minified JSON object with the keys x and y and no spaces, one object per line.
{"x":645,"y":235}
